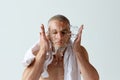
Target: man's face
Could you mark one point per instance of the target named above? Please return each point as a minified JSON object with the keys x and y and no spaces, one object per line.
{"x":59,"y":33}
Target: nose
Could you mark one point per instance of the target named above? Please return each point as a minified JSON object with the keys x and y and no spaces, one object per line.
{"x":59,"y":36}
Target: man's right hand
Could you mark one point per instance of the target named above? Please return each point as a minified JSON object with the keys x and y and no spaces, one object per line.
{"x":44,"y":42}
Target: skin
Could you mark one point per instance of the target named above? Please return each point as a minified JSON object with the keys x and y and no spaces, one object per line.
{"x":57,"y":35}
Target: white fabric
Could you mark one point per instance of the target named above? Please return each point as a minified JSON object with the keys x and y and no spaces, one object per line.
{"x":29,"y":57}
{"x":71,"y":70}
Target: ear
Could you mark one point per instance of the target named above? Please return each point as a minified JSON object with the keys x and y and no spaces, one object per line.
{"x":69,"y":34}
{"x":48,"y":35}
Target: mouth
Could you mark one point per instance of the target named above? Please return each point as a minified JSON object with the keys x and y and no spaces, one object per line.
{"x":59,"y":48}
{"x":58,"y":43}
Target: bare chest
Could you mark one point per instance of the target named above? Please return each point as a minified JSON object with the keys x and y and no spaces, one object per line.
{"x":55,"y":70}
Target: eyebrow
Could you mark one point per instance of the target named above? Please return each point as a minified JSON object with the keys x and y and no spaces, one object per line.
{"x":64,"y":30}
{"x":61,"y":30}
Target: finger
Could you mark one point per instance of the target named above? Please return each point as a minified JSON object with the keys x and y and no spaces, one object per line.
{"x":80,"y":33}
{"x":42,"y":30}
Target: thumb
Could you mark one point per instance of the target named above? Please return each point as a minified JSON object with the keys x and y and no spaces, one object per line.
{"x":42,"y":31}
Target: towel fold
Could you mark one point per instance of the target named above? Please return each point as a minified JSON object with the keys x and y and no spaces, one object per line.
{"x":71,"y":70}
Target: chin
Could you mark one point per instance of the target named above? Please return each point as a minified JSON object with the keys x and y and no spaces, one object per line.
{"x":59,"y":48}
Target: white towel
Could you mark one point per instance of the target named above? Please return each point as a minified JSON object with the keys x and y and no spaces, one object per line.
{"x":72,"y":72}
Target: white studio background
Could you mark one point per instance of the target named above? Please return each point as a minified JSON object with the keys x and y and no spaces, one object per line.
{"x":19,"y":29}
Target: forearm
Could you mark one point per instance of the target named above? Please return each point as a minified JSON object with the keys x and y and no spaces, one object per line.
{"x":33,"y":71}
{"x":87,"y":70}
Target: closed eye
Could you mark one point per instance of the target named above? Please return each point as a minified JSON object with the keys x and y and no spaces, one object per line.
{"x":64,"y":32}
{"x":53,"y":32}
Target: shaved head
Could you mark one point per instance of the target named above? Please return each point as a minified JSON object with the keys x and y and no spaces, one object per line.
{"x":60,"y":18}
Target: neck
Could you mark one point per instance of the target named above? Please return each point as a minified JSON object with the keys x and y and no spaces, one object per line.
{"x":59,"y":51}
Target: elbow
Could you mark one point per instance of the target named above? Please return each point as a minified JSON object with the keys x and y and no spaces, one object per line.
{"x":95,"y":77}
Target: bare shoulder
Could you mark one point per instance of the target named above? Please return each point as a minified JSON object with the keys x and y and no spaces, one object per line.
{"x":85,"y":52}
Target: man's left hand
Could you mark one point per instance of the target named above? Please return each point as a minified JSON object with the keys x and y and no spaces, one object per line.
{"x":77,"y":41}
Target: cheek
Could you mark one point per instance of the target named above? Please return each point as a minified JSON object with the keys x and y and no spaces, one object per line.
{"x":66,"y":39}
{"x":52,"y":39}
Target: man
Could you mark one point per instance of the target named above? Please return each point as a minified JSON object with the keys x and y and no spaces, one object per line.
{"x":56,"y":57}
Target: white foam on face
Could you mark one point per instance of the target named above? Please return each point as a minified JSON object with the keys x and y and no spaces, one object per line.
{"x":59,"y":49}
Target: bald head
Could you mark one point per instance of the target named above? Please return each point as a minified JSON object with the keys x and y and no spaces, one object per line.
{"x":59,"y":18}
{"x":59,"y":31}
